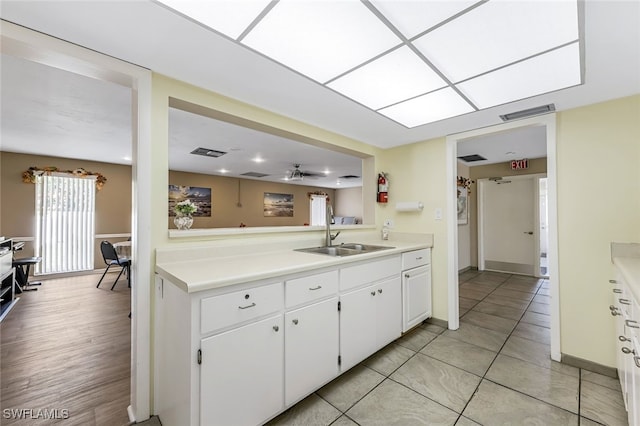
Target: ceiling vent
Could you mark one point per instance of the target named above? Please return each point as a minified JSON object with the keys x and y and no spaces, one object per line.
{"x":254,"y":174}
{"x":471,"y":158}
{"x":528,"y":112}
{"x":206,"y":152}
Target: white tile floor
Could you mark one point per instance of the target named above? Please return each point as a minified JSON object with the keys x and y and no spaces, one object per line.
{"x":495,"y":370}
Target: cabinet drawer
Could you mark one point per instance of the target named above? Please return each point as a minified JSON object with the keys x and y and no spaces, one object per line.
{"x":222,"y":311}
{"x":411,"y":259}
{"x":378,"y":269}
{"x":313,"y":287}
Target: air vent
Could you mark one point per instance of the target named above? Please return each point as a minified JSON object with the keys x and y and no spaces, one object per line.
{"x":206,"y":152}
{"x":254,"y":174}
{"x":528,"y":112}
{"x":471,"y":158}
{"x":349,"y":177}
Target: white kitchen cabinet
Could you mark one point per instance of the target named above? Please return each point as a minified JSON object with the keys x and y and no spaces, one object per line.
{"x":626,"y":310}
{"x":311,"y":348}
{"x":370,"y":317}
{"x":416,"y":288}
{"x":242,"y":368}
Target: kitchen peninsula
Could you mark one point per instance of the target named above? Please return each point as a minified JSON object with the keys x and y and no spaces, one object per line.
{"x":244,"y":332}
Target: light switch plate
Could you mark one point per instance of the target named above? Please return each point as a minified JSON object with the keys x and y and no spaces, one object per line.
{"x":438,"y":214}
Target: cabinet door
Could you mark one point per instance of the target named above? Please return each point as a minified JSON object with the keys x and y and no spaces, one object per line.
{"x":388,"y":311}
{"x":242,"y":374}
{"x":357,"y":326}
{"x":311,"y":348}
{"x":416,"y":293}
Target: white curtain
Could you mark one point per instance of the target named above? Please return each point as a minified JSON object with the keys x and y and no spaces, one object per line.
{"x":318,"y":209}
{"x":65,"y":224}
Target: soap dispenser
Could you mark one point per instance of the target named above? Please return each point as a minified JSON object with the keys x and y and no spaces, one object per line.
{"x":385,"y":233}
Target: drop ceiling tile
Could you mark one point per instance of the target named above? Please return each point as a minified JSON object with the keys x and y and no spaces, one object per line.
{"x":428,"y":108}
{"x":555,"y":70}
{"x":413,"y":17}
{"x":321,"y":39}
{"x":498,"y":33}
{"x":392,"y":78}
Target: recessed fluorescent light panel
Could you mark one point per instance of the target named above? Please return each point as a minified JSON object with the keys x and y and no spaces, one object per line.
{"x":414,"y":62}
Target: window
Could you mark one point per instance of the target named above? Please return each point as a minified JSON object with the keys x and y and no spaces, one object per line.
{"x":318,"y":210}
{"x":65,"y":224}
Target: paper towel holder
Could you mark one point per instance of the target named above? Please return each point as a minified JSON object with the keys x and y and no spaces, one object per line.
{"x":409,"y":206}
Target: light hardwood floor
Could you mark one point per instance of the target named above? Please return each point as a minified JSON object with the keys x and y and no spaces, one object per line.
{"x":67,"y":347}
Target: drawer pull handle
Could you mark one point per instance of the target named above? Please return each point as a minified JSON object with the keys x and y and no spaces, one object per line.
{"x":628,"y":351}
{"x":276,"y":328}
{"x":625,"y":301}
{"x":613,"y":281}
{"x":617,"y":290}
{"x":380,"y":290}
{"x":624,"y":339}
{"x":315,"y":288}
{"x":248,"y":306}
{"x":295,"y":321}
{"x":419,"y":258}
{"x":632,"y":323}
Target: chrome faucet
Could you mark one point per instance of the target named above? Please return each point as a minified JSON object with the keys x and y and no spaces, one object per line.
{"x":328,"y":236}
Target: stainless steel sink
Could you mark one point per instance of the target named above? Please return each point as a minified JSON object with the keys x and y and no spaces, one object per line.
{"x":347,"y":249}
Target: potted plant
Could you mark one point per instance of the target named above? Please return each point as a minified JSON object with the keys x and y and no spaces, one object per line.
{"x":184,"y":210}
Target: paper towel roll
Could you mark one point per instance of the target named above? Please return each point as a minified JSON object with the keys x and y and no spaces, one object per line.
{"x":409,"y":206}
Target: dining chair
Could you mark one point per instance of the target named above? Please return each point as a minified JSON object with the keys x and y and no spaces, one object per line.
{"x":111,"y":258}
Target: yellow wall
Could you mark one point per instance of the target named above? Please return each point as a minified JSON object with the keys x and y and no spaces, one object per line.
{"x":598,"y":153}
{"x":417,"y":172}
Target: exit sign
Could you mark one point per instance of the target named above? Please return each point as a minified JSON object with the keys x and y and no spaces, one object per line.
{"x":520,"y":164}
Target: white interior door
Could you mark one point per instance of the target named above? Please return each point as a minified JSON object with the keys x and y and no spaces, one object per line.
{"x":508,"y":225}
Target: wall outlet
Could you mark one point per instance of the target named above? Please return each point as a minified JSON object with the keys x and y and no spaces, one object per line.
{"x":438,"y":214}
{"x":388,"y":223}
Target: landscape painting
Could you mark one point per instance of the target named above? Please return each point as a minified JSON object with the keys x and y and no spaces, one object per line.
{"x":278,"y":205}
{"x":201,"y":197}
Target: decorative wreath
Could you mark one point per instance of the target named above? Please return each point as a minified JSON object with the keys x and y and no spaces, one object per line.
{"x":29,"y":176}
{"x":309,"y":194}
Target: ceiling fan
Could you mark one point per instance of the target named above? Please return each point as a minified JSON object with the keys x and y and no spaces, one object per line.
{"x":297,"y":174}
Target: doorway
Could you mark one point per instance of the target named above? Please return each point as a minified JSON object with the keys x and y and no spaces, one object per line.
{"x":509,"y":224}
{"x":32,"y":46}
{"x":548,"y":121}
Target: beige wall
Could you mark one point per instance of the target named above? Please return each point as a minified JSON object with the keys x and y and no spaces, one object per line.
{"x":417,"y":172}
{"x":224,"y":199}
{"x":113,"y":202}
{"x":536,"y":166}
{"x":348,"y":202}
{"x":598,"y":156}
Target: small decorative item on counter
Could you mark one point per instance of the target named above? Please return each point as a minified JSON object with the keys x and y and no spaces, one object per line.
{"x":184,"y":210}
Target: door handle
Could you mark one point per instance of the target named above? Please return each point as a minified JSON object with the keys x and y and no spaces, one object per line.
{"x":530,"y":232}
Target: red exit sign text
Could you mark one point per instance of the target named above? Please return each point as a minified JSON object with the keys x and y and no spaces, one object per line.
{"x":520,"y":164}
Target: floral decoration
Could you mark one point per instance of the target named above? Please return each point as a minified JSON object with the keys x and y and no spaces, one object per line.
{"x":185,"y":207}
{"x":309,"y":194}
{"x":465,"y":183}
{"x":29,"y":176}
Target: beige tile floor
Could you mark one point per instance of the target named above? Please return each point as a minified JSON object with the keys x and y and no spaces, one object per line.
{"x":494,"y":370}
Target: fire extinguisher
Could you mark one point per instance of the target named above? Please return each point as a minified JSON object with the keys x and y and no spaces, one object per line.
{"x":383,"y":188}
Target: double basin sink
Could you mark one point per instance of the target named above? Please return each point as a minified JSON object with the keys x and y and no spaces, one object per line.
{"x":344,"y":249}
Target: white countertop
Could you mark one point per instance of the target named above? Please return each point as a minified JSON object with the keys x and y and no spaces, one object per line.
{"x":630,"y":269}
{"x":216,"y":271}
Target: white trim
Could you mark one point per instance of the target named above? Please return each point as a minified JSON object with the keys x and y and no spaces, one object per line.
{"x":103,"y":236}
{"x":549,"y":121}
{"x":25,"y":43}
{"x":205,"y":232}
{"x":22,"y":239}
{"x":480,"y":203}
{"x":453,"y":317}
